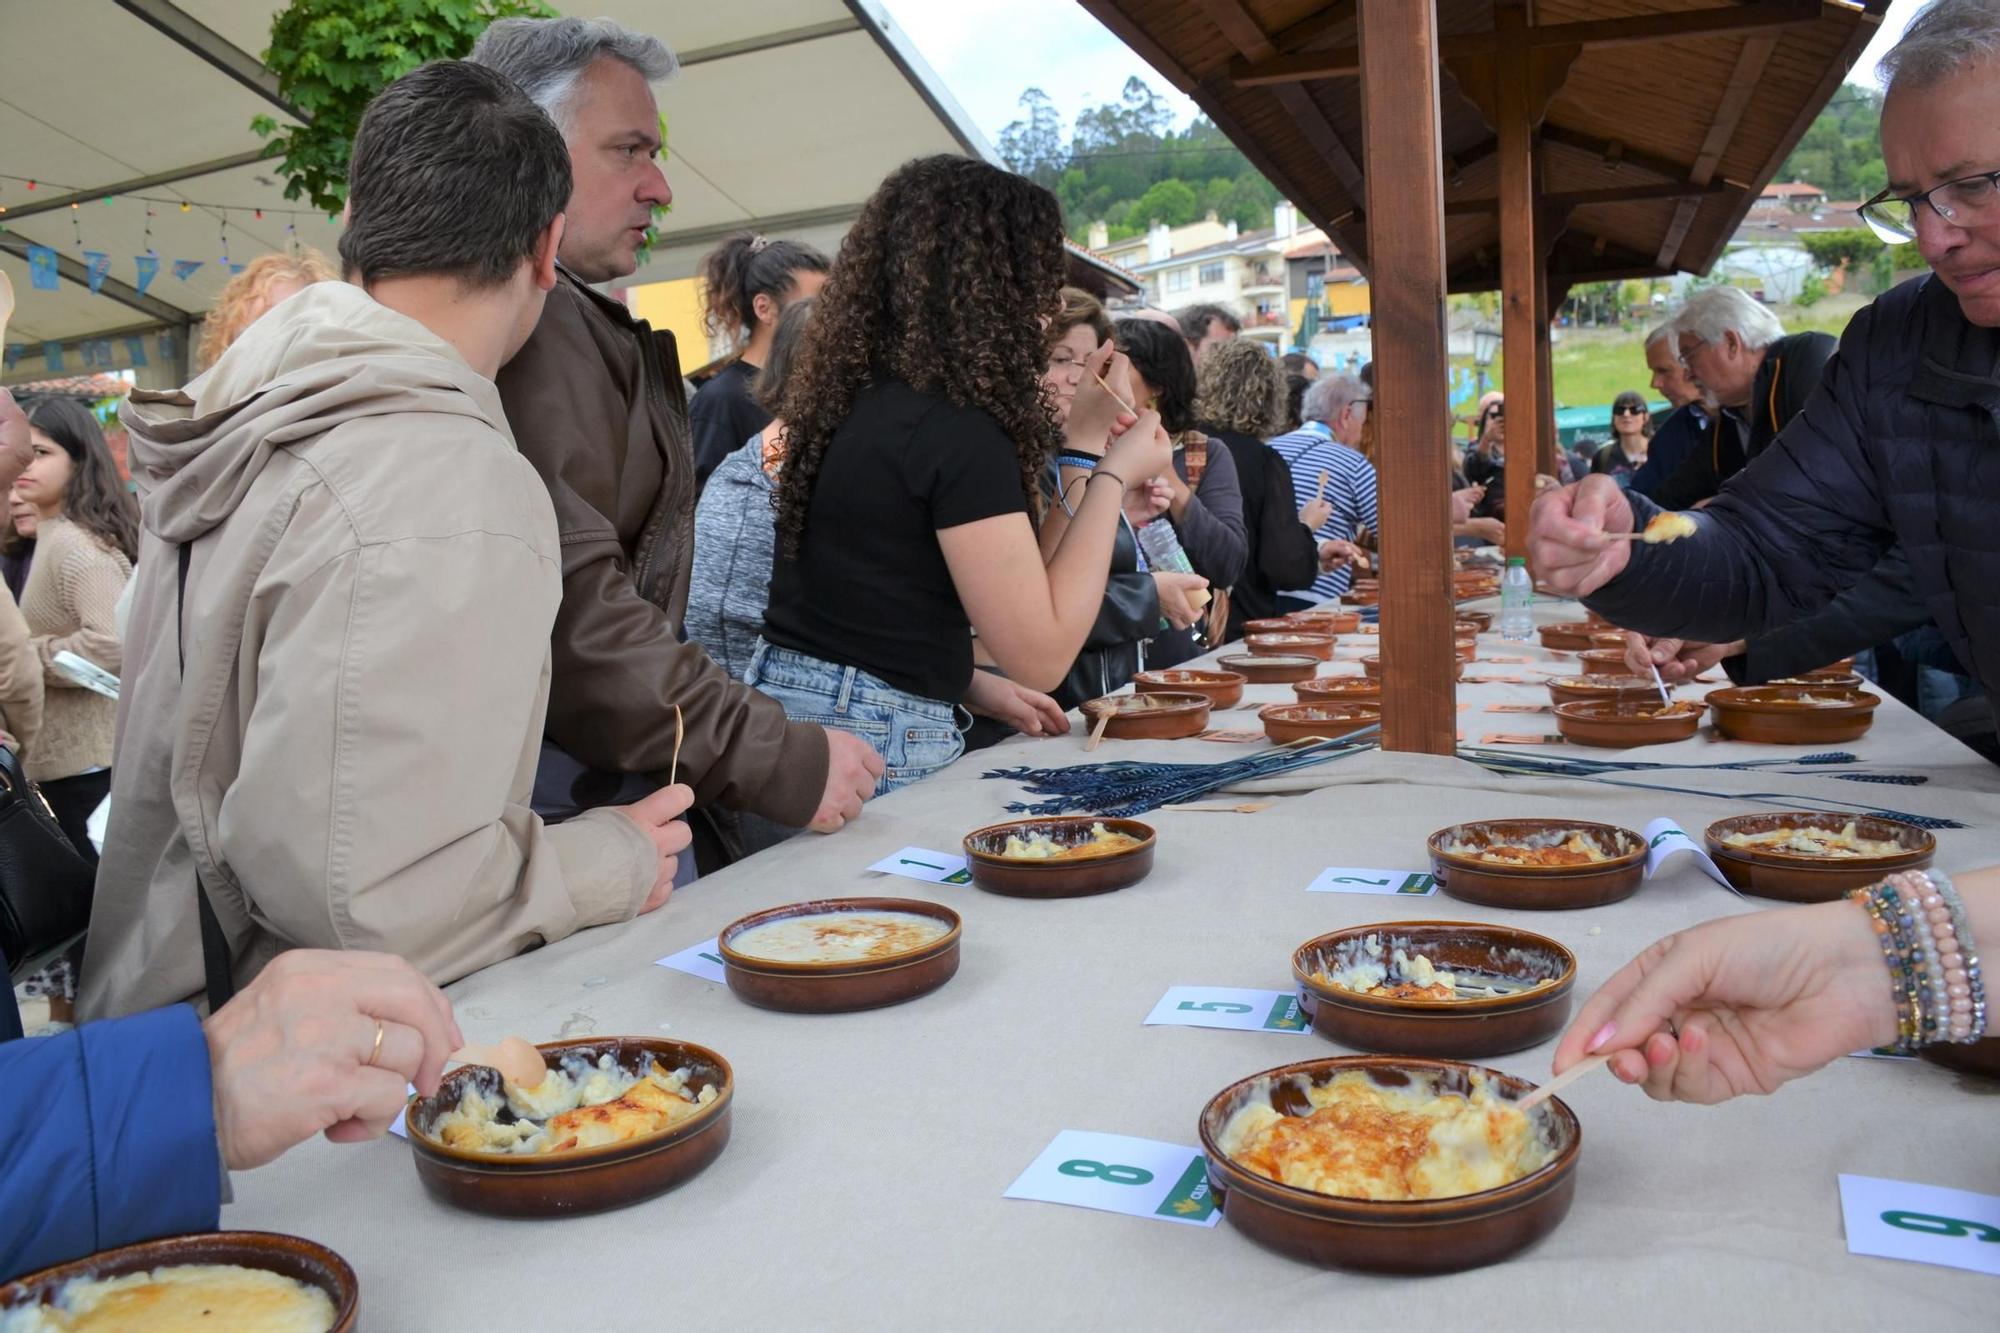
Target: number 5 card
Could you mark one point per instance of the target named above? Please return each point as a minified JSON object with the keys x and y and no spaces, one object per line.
{"x":1120,"y":1174}
{"x":1229,"y":1007}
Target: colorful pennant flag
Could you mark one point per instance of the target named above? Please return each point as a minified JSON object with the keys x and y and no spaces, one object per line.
{"x":167,"y":345}
{"x":135,"y":350}
{"x":10,"y":356}
{"x":184,"y":268}
{"x":97,"y":267}
{"x":52,"y":358}
{"x":42,"y":268}
{"x":149,"y":268}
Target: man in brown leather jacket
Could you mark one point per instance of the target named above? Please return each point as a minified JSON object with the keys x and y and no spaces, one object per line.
{"x":597,"y":406}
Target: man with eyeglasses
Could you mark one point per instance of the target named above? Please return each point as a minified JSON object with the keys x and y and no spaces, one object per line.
{"x":1900,"y":444}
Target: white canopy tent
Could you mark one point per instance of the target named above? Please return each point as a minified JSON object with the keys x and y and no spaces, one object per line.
{"x":784,"y":117}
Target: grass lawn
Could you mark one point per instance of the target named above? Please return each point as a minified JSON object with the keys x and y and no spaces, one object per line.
{"x":1592,"y":366}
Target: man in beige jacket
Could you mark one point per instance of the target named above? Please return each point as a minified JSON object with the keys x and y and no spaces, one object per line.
{"x":345,"y":755}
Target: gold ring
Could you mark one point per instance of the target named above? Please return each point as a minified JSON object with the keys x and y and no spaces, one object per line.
{"x":377,"y":1050}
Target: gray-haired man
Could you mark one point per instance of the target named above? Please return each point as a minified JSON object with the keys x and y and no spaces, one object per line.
{"x":596,"y":403}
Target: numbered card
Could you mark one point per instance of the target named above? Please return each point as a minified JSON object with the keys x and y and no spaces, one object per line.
{"x":1492,"y":680}
{"x":1348,"y":879}
{"x":1520,"y":738}
{"x":926,"y":865}
{"x":702,"y":960}
{"x":399,"y":1129}
{"x":1926,"y":1224}
{"x":1229,"y":1007}
{"x":1507,"y":660}
{"x":1231,"y":736}
{"x":1665,"y":839}
{"x":1120,"y":1174}
{"x":1519,"y":708}
{"x":1879,"y":1053}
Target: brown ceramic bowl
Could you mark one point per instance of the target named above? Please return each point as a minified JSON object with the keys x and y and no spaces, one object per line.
{"x":1978,"y":1058}
{"x":1287,"y":670}
{"x":1421,"y":1236}
{"x":587,"y":1180}
{"x":1016,"y":878}
{"x":1608,"y":638}
{"x":1295,"y":643}
{"x":833,"y":988}
{"x":1322,"y":622}
{"x":1570,"y":636}
{"x":1481,"y":620}
{"x":1797,"y":877}
{"x":1538,"y":888}
{"x":291,"y":1256}
{"x":1618,"y":725}
{"x":1285,"y":723}
{"x":1777,"y":715}
{"x":1462,"y":628}
{"x":1588,"y":688}
{"x":1822,"y":678}
{"x":1373,"y":666}
{"x":1606,"y":662}
{"x":1149,"y":717}
{"x":1465,"y":1029}
{"x":1339,"y":690}
{"x":1223,"y":689}
{"x":1591,"y":617}
{"x":1465,"y":649}
{"x":1273,"y":625}
{"x":1369,"y":598}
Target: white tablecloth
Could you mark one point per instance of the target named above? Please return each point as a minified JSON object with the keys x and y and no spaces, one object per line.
{"x":862,"y":1187}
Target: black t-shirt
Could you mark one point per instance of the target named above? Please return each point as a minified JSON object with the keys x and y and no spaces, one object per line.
{"x":724,"y":416}
{"x":870,"y":587}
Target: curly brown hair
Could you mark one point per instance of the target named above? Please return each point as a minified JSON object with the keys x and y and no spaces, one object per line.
{"x":949,"y":282}
{"x":1240,"y":388}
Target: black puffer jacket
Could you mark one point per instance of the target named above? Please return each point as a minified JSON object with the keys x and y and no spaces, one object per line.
{"x":1790,"y":371}
{"x":1899,"y":445}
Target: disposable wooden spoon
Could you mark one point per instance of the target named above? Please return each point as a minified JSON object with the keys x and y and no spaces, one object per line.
{"x":1563,"y":1080}
{"x":6,"y":304}
{"x":518,"y":1062}
{"x":1097,"y":732}
{"x":674,"y":769}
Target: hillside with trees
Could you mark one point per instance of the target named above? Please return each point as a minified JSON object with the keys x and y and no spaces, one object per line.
{"x":1123,"y":163}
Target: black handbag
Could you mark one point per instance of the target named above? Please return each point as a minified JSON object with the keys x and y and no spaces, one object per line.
{"x":45,"y":885}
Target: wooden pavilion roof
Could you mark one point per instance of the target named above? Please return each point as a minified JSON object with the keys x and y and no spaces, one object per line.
{"x":1664,"y":118}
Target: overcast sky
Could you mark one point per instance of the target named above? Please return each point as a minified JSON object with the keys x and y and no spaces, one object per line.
{"x":988,"y":51}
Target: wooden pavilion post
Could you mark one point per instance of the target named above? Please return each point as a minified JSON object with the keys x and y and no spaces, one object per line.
{"x":1403,"y":167}
{"x":1524,"y":330}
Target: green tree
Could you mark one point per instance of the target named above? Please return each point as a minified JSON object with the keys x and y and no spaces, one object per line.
{"x":1171,"y":201}
{"x":332,"y":56}
{"x":1033,"y":145}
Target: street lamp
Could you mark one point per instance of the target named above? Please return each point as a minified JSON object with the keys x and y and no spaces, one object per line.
{"x":1485,"y":346}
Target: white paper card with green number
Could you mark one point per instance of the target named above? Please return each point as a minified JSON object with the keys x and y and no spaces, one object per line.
{"x":702,"y":960}
{"x":1926,"y":1224}
{"x":1229,"y":1007}
{"x":1120,"y":1174}
{"x":1349,"y":879}
{"x":1666,"y":839}
{"x":929,"y":866}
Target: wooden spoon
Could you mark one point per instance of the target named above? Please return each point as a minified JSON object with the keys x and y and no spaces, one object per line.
{"x":674,"y":770}
{"x":1097,"y":732}
{"x":1563,"y":1080}
{"x":518,"y":1062}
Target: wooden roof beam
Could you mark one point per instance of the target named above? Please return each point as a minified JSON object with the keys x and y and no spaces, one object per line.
{"x":1609,"y":194}
{"x":1615,"y":154}
{"x":1756,"y":17}
{"x":1242,"y":31}
{"x":1750,"y":63}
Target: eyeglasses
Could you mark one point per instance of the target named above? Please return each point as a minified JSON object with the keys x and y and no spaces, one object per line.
{"x":1497,"y":410}
{"x":1969,"y":201}
{"x":1628,"y":411}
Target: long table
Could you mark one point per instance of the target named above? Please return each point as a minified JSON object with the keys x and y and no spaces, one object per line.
{"x":862,"y":1186}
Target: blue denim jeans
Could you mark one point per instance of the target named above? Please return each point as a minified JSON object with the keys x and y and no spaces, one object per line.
{"x":915,"y":736}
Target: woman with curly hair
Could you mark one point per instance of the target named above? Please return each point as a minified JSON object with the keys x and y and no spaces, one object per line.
{"x":748,"y":281}
{"x":1240,"y":400}
{"x":264,"y":281}
{"x":87,"y":537}
{"x":917,"y":428}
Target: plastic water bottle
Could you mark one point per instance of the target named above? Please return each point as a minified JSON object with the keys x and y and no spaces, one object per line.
{"x":1161,"y":547}
{"x":1517,"y":600}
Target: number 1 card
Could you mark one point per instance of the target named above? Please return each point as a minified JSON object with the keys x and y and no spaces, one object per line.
{"x":1117,"y":1173}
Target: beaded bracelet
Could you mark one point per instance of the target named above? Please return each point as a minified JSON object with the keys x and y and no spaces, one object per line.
{"x":1085,"y":461}
{"x":1884,"y":908}
{"x":1934,"y":974}
{"x":1958,"y":988}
